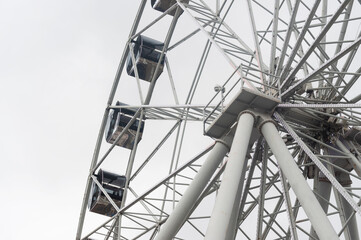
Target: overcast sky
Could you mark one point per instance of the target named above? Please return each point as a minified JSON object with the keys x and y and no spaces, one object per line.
{"x":57,"y":63}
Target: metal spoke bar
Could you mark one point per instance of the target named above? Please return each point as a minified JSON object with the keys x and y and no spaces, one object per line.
{"x":211,"y":39}
{"x":314,"y":44}
{"x":323,"y":169}
{"x":141,"y":197}
{"x":299,"y":185}
{"x":104,"y":121}
{"x":294,"y":87}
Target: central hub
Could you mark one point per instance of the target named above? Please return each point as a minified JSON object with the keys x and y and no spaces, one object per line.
{"x":245,"y":99}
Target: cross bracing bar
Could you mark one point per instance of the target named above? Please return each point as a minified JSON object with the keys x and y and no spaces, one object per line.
{"x":221,"y":45}
{"x":300,"y":51}
{"x":290,"y":91}
{"x":146,"y":161}
{"x":274,"y":213}
{"x":136,"y":34}
{"x":175,"y":112}
{"x":347,"y":223}
{"x":104,"y":121}
{"x":182,"y":209}
{"x":223,"y":218}
{"x":274,"y":39}
{"x":318,"y":163}
{"x":272,"y":220}
{"x":306,"y":197}
{"x":94,"y":164}
{"x":244,"y":214}
{"x":356,"y":164}
{"x":304,"y":99}
{"x":206,"y":192}
{"x":258,"y":53}
{"x":165,"y":113}
{"x":314,"y":45}
{"x":143,"y":197}
{"x":340,"y":80}
{"x":272,"y":217}
{"x":262,"y":190}
{"x":342,"y":170}
{"x":315,"y":26}
{"x":255,"y":158}
{"x":299,"y":41}
{"x":287,"y":39}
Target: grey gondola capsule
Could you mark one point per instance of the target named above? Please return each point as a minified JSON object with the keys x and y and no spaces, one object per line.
{"x":164,"y":5}
{"x":147,"y":53}
{"x":113,"y":184}
{"x":117,"y":120}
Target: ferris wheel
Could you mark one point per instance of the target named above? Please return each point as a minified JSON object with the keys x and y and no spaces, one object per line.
{"x":231,"y":120}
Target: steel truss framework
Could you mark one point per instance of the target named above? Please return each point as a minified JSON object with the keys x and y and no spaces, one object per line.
{"x":285,"y":162}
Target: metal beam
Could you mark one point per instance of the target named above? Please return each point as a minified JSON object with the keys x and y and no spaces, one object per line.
{"x":352,"y":159}
{"x":311,"y":49}
{"x":104,"y":121}
{"x":336,"y":106}
{"x":258,"y":54}
{"x":227,"y":195}
{"x":298,"y":42}
{"x":177,"y":218}
{"x":299,"y":185}
{"x":318,"y":163}
{"x":262,"y":191}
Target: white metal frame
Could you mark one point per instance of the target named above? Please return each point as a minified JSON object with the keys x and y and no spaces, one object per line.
{"x":284,"y":161}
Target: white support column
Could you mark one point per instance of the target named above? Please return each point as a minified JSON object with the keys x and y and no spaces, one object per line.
{"x":227,"y":197}
{"x":311,"y":206}
{"x":352,"y":160}
{"x":352,"y":223}
{"x":324,"y":192}
{"x":177,"y":218}
{"x":232,"y":227}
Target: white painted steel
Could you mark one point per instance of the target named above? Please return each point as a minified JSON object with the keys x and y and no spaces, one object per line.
{"x":182,"y":210}
{"x":104,"y":121}
{"x":324,"y":191}
{"x":292,"y":105}
{"x":351,"y":218}
{"x":231,"y":182}
{"x":313,"y":209}
{"x":352,"y":159}
{"x":316,"y":105}
{"x":318,"y":163}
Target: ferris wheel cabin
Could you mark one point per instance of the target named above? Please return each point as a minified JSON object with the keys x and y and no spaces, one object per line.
{"x":114,"y":185}
{"x":164,"y":5}
{"x":147,"y":53}
{"x":117,"y":121}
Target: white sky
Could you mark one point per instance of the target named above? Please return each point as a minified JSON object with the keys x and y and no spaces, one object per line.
{"x":57,"y":64}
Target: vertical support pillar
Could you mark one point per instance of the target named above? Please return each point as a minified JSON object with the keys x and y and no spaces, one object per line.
{"x":232,"y":227}
{"x":324,"y":192}
{"x":177,"y":218}
{"x":352,"y":160}
{"x":221,"y":219}
{"x":352,"y":230}
{"x":262,"y":192}
{"x":352,"y":223}
{"x":311,"y":206}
